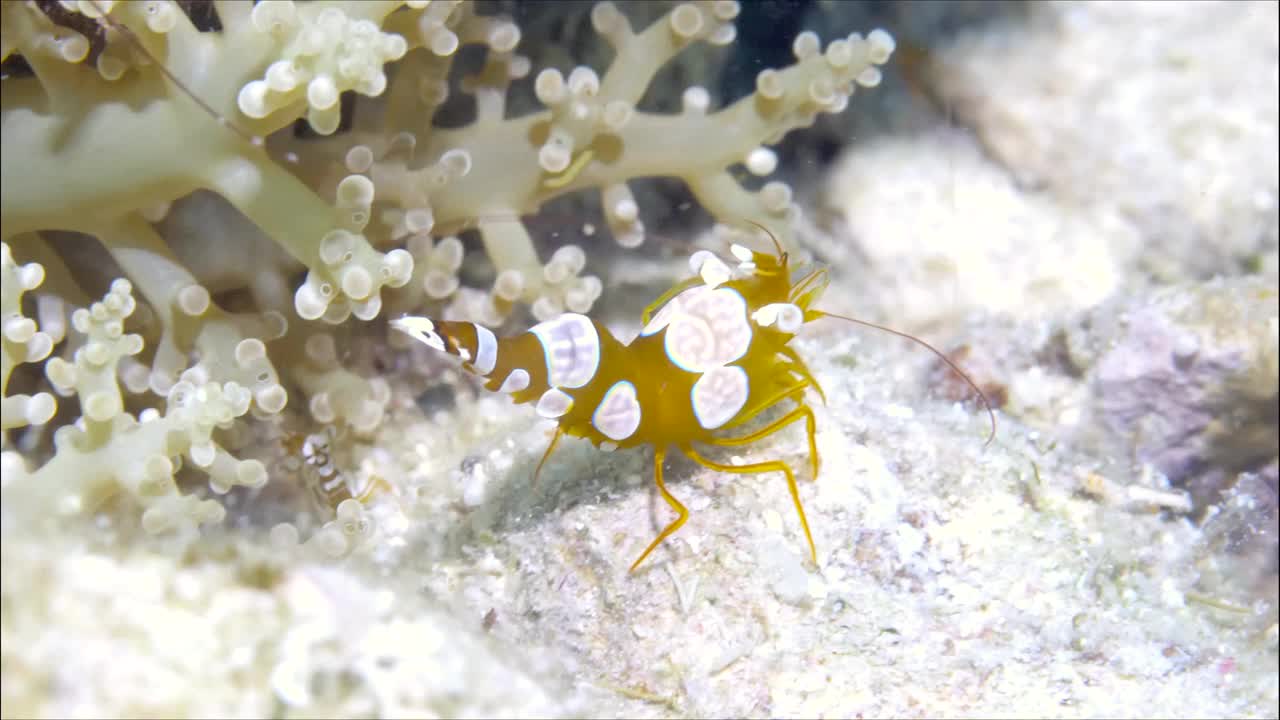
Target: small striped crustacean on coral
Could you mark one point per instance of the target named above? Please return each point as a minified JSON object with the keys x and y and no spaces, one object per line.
{"x":712,"y":355}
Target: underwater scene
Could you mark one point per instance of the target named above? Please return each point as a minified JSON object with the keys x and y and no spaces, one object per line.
{"x":643,"y":359}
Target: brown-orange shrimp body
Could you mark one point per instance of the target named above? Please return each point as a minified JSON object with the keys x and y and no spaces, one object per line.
{"x":712,"y":354}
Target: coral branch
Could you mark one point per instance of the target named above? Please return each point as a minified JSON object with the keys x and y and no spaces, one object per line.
{"x":174,"y":145}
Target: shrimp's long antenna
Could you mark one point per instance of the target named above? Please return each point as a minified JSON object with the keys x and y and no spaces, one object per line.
{"x":955,"y":368}
{"x":776,"y":245}
{"x":822,"y":313}
{"x":221,"y":119}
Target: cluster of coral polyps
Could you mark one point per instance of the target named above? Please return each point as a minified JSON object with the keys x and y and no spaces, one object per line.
{"x":129,"y":129}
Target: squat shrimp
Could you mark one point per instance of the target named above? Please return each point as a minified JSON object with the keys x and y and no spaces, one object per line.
{"x":712,"y":355}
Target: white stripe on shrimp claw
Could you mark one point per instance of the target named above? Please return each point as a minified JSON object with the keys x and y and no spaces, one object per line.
{"x":742,"y":253}
{"x":700,"y":258}
{"x":572,"y":349}
{"x":787,"y":316}
{"x":714,"y":272}
{"x":710,"y":268}
{"x":718,"y":395}
{"x":486,"y":349}
{"x":618,"y":414}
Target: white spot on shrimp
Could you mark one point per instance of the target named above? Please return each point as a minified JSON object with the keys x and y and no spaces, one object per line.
{"x":618,"y":414}
{"x":554,"y":403}
{"x":515,"y":382}
{"x":572,"y":349}
{"x":718,"y":395}
{"x":486,"y":349}
{"x":706,"y":327}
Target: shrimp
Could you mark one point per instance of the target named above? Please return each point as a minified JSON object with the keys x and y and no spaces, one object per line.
{"x":712,"y":355}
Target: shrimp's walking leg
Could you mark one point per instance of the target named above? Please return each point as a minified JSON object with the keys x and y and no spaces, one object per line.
{"x":750,"y":412}
{"x":658,"y":456}
{"x":803,"y":370}
{"x":555,"y":440}
{"x":761,"y":467}
{"x":810,"y":429}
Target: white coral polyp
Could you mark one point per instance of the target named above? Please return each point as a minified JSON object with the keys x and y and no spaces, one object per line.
{"x":352,"y":280}
{"x":324,"y":53}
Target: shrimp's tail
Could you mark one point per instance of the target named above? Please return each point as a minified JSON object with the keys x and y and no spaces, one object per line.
{"x":513,"y":365}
